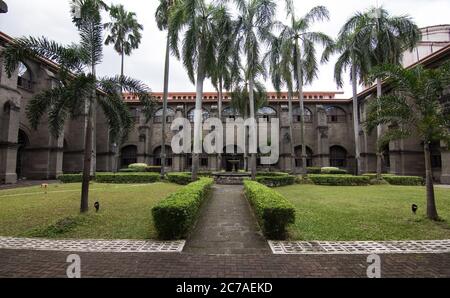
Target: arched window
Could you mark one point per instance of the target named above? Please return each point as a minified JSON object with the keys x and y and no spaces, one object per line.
{"x":266,"y":113}
{"x":230,"y":113}
{"x":135,"y":114}
{"x":128,"y":156}
{"x":191,"y":114}
{"x":338,"y":157}
{"x":297,"y":116}
{"x":436,"y":159}
{"x":298,"y":156}
{"x":157,"y":156}
{"x":170,"y":115}
{"x":24,"y":79}
{"x":335,"y":115}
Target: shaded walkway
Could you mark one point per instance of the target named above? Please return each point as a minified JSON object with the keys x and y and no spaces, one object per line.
{"x":226,"y":225}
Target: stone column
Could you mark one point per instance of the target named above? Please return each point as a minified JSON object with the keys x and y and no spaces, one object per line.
{"x":445,"y":171}
{"x":323,"y":146}
{"x":10,"y":111}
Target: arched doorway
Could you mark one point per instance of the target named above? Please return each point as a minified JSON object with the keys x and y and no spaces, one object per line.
{"x":22,"y":144}
{"x":128,"y":156}
{"x":338,"y":157}
{"x":298,"y":157}
{"x":157,"y":156}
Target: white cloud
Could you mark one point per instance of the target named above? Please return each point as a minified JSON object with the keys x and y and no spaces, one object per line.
{"x":51,"y":18}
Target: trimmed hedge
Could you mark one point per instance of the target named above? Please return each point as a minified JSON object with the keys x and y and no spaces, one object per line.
{"x":339,"y":180}
{"x":180,"y":178}
{"x":398,"y":180}
{"x":176,"y":215}
{"x":138,"y":167}
{"x":127,"y":178}
{"x":276,"y":181}
{"x":271,"y":174}
{"x":404,"y":180}
{"x":153,"y":169}
{"x":313,"y":170}
{"x":273,"y":211}
{"x":70,"y":178}
{"x":333,"y":171}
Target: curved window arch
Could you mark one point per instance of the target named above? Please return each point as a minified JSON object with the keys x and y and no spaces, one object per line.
{"x":297,"y":116}
{"x":338,"y":157}
{"x":336,"y":114}
{"x":170,"y":115}
{"x":157,"y":156}
{"x":230,"y":113}
{"x":298,"y":156}
{"x":24,"y":78}
{"x":128,"y":155}
{"x":205,"y":115}
{"x":266,"y":113}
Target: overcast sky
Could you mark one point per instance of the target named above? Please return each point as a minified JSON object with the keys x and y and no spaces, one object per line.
{"x":51,"y":18}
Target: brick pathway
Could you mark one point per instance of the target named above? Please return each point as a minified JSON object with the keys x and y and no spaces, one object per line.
{"x":227,"y":225}
{"x":21,"y":263}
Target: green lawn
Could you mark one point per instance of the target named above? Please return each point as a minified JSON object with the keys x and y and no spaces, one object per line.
{"x":365,"y":213}
{"x":125,"y":211}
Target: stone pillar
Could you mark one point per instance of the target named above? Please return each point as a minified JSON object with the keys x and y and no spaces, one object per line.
{"x":55,"y":157}
{"x":445,"y":171}
{"x":323,"y":146}
{"x":10,"y":119}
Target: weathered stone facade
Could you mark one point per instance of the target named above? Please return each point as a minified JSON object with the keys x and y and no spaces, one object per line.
{"x":36,"y":154}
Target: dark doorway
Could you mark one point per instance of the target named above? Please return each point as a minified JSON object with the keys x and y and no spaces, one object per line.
{"x":22,"y":145}
{"x":129,"y":156}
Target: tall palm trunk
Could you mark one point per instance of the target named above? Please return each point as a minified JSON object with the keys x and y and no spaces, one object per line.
{"x":219,"y":155}
{"x":198,"y":116}
{"x":291,"y":129}
{"x":302,"y":108}
{"x":165,"y":98}
{"x":88,"y":152}
{"x":122,"y":64}
{"x":431,"y":203}
{"x":379,"y":154}
{"x":253,"y":127}
{"x":356,"y":121}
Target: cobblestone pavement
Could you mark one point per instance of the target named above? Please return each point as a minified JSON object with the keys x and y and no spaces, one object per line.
{"x":22,"y":263}
{"x":227,"y":225}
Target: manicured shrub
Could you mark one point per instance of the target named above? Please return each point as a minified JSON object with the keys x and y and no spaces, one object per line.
{"x":273,"y":211}
{"x":271,"y":174}
{"x":332,"y":171}
{"x":276,"y":181}
{"x":303,"y":180}
{"x":127,"y":178}
{"x":205,"y":174}
{"x":404,"y":180}
{"x":153,"y":169}
{"x":71,"y":178}
{"x":339,"y":180}
{"x":175,"y":216}
{"x":180,"y":178}
{"x":127,"y":170}
{"x":374,"y":175}
{"x":138,"y":167}
{"x":313,"y":170}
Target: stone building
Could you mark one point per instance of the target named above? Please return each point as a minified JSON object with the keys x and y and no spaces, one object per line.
{"x":35,"y":154}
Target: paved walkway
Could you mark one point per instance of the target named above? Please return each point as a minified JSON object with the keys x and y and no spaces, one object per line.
{"x":21,"y":263}
{"x":26,"y":183}
{"x":227,"y":225}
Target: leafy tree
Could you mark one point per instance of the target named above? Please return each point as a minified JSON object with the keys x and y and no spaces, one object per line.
{"x":79,"y":91}
{"x":386,"y":37}
{"x":302,"y":43}
{"x":124,"y":32}
{"x":414,"y":108}
{"x":201,"y":23}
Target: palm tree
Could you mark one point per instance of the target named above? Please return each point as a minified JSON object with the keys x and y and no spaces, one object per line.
{"x":202,"y":23}
{"x":162,"y":20}
{"x":355,"y":58}
{"x":124,"y":32}
{"x":226,"y":67}
{"x":255,"y":20}
{"x":386,"y":37}
{"x":79,"y":90}
{"x":305,"y":65}
{"x":415,"y":107}
{"x":280,"y":62}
